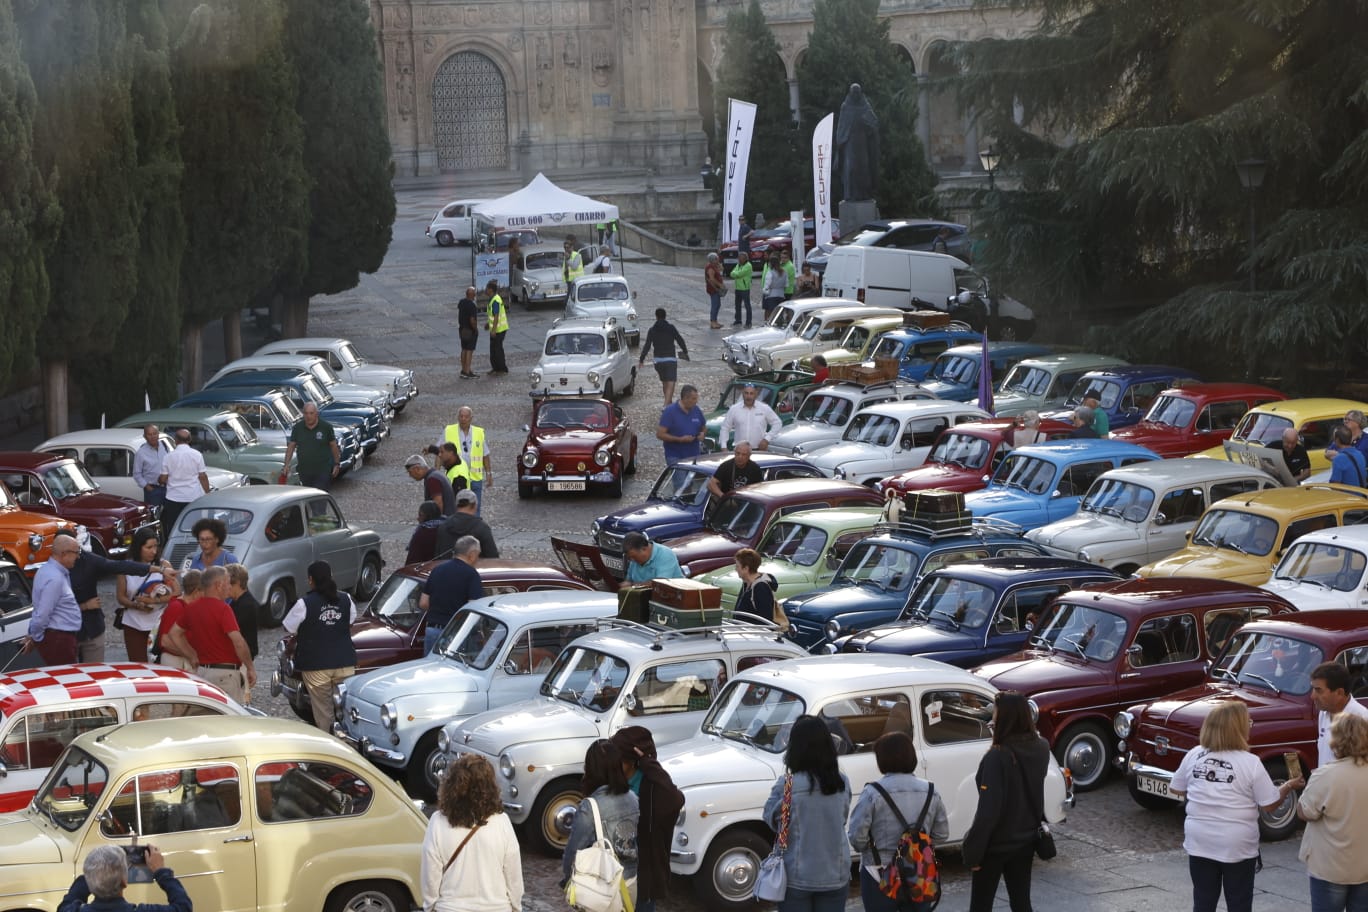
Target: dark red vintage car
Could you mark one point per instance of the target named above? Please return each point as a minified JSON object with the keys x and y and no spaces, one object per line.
{"x":393,"y":626}
{"x":965,"y":457}
{"x":773,"y":239}
{"x":1195,"y":417}
{"x":741,"y":519}
{"x":1102,"y":648}
{"x":1266,"y":665}
{"x":574,"y":445}
{"x":58,"y":486}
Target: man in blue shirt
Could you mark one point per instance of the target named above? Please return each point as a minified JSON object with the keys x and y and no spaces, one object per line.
{"x":1348,"y":466}
{"x":647,"y":560}
{"x":56,"y":615}
{"x":449,"y":587}
{"x":682,"y":426}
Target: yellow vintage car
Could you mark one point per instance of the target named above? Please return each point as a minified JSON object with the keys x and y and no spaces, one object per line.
{"x":250,"y":813}
{"x":1241,"y":538}
{"x":1314,"y":419}
{"x":857,"y":343}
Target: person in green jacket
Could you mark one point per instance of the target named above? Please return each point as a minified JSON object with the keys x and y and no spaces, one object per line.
{"x":741,"y":275}
{"x":790,"y":274}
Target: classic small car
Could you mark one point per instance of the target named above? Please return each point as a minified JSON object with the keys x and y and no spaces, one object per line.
{"x":965,"y":457}
{"x":1143,"y":512}
{"x":826,"y":412}
{"x":745,"y":516}
{"x":272,"y":415}
{"x":1241,"y":538}
{"x":883,"y":440}
{"x":1314,"y":419}
{"x":453,"y":222}
{"x":604,"y":297}
{"x":1040,"y":483}
{"x":817,"y":331}
{"x":627,"y":674}
{"x":107,"y":454}
{"x":26,"y":537}
{"x":783,"y":390}
{"x":680,"y":500}
{"x":1195,"y":417}
{"x":1045,"y":381}
{"x":492,"y":653}
{"x":575,"y":443}
{"x":955,"y":375}
{"x":42,"y":710}
{"x":539,"y":276}
{"x":350,"y":365}
{"x":371,"y":424}
{"x":394,"y":625}
{"x":969,"y":612}
{"x":916,"y":350}
{"x":16,"y":609}
{"x":276,"y":531}
{"x":1266,"y":665}
{"x":237,"y":805}
{"x":224,"y":439}
{"x":584,"y":357}
{"x":349,"y":393}
{"x":1098,"y":650}
{"x":739,"y":349}
{"x":727,"y":769}
{"x":1124,"y":393}
{"x":59,"y":486}
{"x":1324,"y":570}
{"x":857,"y":343}
{"x":772,"y":239}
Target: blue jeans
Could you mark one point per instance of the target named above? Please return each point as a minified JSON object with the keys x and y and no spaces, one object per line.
{"x":430,"y":636}
{"x":478,"y":488}
{"x":1333,"y":897}
{"x":743,"y":297}
{"x":796,"y":900}
{"x":714,"y":308}
{"x":1210,"y":878}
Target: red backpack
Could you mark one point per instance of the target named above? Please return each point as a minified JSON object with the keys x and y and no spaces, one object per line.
{"x":912,"y":875}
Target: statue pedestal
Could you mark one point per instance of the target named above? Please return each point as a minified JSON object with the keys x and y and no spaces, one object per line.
{"x":854,"y":213}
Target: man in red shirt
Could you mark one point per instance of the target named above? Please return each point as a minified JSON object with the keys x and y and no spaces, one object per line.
{"x":207,"y":636}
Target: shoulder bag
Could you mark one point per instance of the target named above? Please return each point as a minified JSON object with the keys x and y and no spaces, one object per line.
{"x":771,"y":883}
{"x":452,"y":860}
{"x":596,"y":882}
{"x":1045,"y":844}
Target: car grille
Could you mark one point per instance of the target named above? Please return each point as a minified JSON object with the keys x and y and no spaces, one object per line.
{"x":609,"y":541}
{"x":180,"y":552}
{"x":807,"y":632}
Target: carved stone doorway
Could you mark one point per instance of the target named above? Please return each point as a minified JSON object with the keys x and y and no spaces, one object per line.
{"x":470,"y":114}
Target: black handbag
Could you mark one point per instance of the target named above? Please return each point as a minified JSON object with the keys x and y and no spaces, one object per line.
{"x":1044,"y":843}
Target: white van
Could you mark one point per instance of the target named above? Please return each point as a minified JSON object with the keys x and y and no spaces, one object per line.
{"x":889,"y":277}
{"x":452,"y":223}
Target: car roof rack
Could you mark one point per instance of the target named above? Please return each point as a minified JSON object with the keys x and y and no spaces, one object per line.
{"x":977,"y":525}
{"x":739,"y":622}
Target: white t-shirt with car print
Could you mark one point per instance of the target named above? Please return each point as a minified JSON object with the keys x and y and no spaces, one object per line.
{"x":1225,"y":790}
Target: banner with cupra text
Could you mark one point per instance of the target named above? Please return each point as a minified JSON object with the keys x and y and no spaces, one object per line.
{"x":740,"y":126}
{"x":821,"y":180}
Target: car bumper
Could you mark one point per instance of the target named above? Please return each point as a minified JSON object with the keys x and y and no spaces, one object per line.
{"x":576,"y":391}
{"x":561,"y":482}
{"x":1151,"y":779}
{"x":367,"y":748}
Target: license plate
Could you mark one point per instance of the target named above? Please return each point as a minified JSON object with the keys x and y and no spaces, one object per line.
{"x":1152,"y":786}
{"x":565,"y":486}
{"x":611,"y":562}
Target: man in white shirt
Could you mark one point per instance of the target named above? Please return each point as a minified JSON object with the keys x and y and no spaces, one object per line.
{"x":147,"y":467}
{"x":1330,"y":694}
{"x":749,"y":421}
{"x":185,"y":478}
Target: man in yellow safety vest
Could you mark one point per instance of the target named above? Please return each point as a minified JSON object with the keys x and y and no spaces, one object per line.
{"x":496,"y":324}
{"x":470,"y":441}
{"x":574,"y":263}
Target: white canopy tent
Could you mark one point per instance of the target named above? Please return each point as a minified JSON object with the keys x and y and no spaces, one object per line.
{"x":541,"y":204}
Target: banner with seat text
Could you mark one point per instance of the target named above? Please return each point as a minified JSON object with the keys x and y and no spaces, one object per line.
{"x":740,"y":127}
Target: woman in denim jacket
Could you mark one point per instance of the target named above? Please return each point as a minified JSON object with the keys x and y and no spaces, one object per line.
{"x":606,"y":783}
{"x":817,"y":863}
{"x":873,"y":823}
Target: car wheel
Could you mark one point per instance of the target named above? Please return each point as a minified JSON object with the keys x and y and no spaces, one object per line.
{"x":1083,"y":749}
{"x":631,"y":386}
{"x":1147,"y":800}
{"x":367,"y":896}
{"x":554,"y":811}
{"x":302,"y":705}
{"x":630,"y":468}
{"x":445,"y":239}
{"x":278,"y":603}
{"x":730,"y":867}
{"x":524,"y":490}
{"x":1281,"y":822}
{"x":607,"y":389}
{"x":369,"y":580}
{"x":422,"y":775}
{"x":615,"y":486}
{"x":1127,"y":569}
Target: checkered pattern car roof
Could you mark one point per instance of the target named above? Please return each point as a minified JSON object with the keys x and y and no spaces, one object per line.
{"x":56,"y":684}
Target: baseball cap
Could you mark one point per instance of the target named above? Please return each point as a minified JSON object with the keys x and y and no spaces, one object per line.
{"x":415,"y":460}
{"x":466,"y":496}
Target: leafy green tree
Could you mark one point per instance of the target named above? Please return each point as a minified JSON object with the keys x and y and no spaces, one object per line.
{"x":29,"y":213}
{"x":849,"y":43}
{"x":1124,"y":121}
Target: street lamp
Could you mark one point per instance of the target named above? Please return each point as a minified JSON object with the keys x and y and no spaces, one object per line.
{"x":989,"y":159}
{"x":1251,"y":172}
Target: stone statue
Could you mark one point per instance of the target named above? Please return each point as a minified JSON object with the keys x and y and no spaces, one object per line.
{"x":857,"y":146}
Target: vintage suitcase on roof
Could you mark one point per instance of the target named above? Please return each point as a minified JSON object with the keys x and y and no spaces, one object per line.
{"x":684,"y":603}
{"x":934,"y":501}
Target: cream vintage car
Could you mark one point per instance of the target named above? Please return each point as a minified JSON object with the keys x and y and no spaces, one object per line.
{"x":250,"y":813}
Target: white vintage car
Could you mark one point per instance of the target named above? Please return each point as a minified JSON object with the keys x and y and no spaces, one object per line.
{"x":350,"y":365}
{"x":727,"y":770}
{"x":585,"y":357}
{"x":600,"y":297}
{"x":1324,"y":569}
{"x":889,"y":438}
{"x":539,"y":278}
{"x":817,"y":331}
{"x":740,"y":348}
{"x":827,"y":410}
{"x":107,"y":454}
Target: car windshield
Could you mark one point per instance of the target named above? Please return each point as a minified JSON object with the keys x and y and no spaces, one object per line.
{"x":737,"y":517}
{"x":67,"y":479}
{"x":1235,"y":530}
{"x":566,"y":413}
{"x":396,"y":604}
{"x":586,"y":677}
{"x":575,"y":344}
{"x":855,"y":339}
{"x":889,"y":348}
{"x":322,"y":373}
{"x":1261,"y":427}
{"x":1322,"y":564}
{"x":826,"y":408}
{"x":316,"y":392}
{"x":348,"y":353}
{"x":682,"y":484}
{"x":1081,"y":631}
{"x":755,"y":714}
{"x":955,"y":369}
{"x":782,"y":317}
{"x":1029,"y":473}
{"x":797,"y":543}
{"x":237,"y":521}
{"x":1026,"y":380}
{"x":810,"y":327}
{"x":290,"y":412}
{"x":732,"y":394}
{"x":601,"y":291}
{"x":71,"y":789}
{"x":472,"y":638}
{"x":1108,"y":392}
{"x":1173,"y":411}
{"x":1123,"y":499}
{"x":1261,"y":660}
{"x":963,"y":450}
{"x":236,"y":432}
{"x":550,"y":259}
{"x":878,"y":565}
{"x":872,"y":428}
{"x":952,"y":603}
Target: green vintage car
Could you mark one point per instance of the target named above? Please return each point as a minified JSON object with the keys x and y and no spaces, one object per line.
{"x":803,"y":550}
{"x":224,"y":439}
{"x":782,"y":390}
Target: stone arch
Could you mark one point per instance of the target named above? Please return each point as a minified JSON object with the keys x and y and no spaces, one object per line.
{"x":470,"y":123}
{"x":948,"y":130}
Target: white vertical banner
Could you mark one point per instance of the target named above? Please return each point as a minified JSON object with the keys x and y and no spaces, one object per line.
{"x":821,"y":180}
{"x":740,"y":126}
{"x":799,"y":238}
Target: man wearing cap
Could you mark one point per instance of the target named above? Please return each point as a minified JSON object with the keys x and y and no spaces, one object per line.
{"x":436,"y":486}
{"x":465,"y":521}
{"x":749,"y":420}
{"x":647,"y":560}
{"x":1100,"y":422}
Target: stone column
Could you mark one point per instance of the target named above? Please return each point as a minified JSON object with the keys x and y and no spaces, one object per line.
{"x":793,"y":100}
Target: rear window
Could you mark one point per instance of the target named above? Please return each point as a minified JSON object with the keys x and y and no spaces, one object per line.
{"x":237,"y":521}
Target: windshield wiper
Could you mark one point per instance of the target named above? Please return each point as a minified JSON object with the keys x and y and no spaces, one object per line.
{"x":740,"y":735}
{"x":1232,"y":546}
{"x":1308,"y":579}
{"x":949,"y":617}
{"x":1223,"y":671}
{"x":1082,"y":654}
{"x":1259,"y":677}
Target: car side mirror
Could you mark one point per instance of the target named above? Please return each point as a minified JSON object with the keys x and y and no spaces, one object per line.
{"x":4,"y":771}
{"x":987,"y":478}
{"x":1133,"y":652}
{"x":1161,"y":519}
{"x":1056,"y":493}
{"x":832,"y":561}
{"x":511,"y":668}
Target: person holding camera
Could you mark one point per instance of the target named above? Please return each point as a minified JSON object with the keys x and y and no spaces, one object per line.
{"x":100,"y":885}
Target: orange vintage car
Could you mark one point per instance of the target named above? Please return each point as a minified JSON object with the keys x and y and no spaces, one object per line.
{"x":26,"y":538}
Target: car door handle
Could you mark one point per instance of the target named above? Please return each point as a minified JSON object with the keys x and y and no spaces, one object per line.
{"x":246,"y":838}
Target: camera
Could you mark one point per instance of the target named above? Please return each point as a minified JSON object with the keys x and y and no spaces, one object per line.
{"x":137,"y":854}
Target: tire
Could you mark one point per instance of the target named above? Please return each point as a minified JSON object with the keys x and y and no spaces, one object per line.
{"x":631,"y":386}
{"x":727,"y":879}
{"x":607,"y":389}
{"x":615,"y":486}
{"x":368,"y":582}
{"x":524,"y":490}
{"x":421,"y":776}
{"x":1282,"y":822}
{"x":1146,"y":800}
{"x":1127,"y":569}
{"x":445,"y":239}
{"x":630,"y":468}
{"x":548,"y":829}
{"x":278,"y":602}
{"x":367,"y":896}
{"x":1084,"y":750}
{"x":304,"y":707}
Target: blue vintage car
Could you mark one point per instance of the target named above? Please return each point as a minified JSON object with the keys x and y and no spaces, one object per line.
{"x":968,"y":613}
{"x":304,"y":387}
{"x":916,"y":350}
{"x":1044,"y":482}
{"x":1125,"y":393}
{"x":680,"y":500}
{"x":273,"y":413}
{"x":873,"y":582}
{"x":955,"y":375}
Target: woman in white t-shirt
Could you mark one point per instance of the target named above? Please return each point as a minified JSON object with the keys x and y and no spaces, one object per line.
{"x":1226,"y":786}
{"x":142,"y":598}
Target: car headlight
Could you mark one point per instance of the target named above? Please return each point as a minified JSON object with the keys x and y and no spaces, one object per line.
{"x":1083,"y":555}
{"x":833,"y":629}
{"x":443,"y":741}
{"x":536,"y":378}
{"x":119,"y":529}
{"x":36,"y":541}
{"x":389,"y":716}
{"x":593,"y":378}
{"x":529,"y":458}
{"x":602,"y":457}
{"x":632,"y":315}
{"x":594,"y":528}
{"x":533,"y":285}
{"x":797,"y":449}
{"x":506,"y":766}
{"x":839,"y":472}
{"x":1122,"y":724}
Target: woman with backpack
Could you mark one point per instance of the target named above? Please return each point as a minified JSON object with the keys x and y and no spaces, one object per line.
{"x":605,"y":784}
{"x":900,"y":802}
{"x":757,"y":589}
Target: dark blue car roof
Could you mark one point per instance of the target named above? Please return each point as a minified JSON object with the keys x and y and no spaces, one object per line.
{"x":1140,"y":373}
{"x":999,"y":572}
{"x":218,"y":394}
